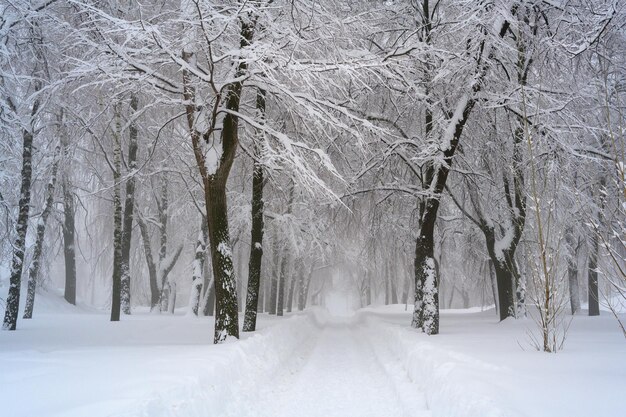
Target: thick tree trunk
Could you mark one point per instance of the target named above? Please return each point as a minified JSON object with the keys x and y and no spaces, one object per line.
{"x":117,"y":220}
{"x":256,"y":239}
{"x":261,"y":302}
{"x":426,"y":308}
{"x":19,"y":247}
{"x":240,"y":282}
{"x":226,"y":319}
{"x":33,"y":273}
{"x":503,"y":265}
{"x":197,"y":280}
{"x":129,"y":204}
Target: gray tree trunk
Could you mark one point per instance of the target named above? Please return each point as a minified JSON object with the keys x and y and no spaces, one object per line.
{"x":33,"y":274}
{"x":116,"y":292}
{"x":129,"y":205}
{"x":19,"y":246}
{"x":572,"y":270}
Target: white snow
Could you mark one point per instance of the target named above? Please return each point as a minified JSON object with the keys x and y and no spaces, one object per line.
{"x":71,"y":361}
{"x":504,"y":243}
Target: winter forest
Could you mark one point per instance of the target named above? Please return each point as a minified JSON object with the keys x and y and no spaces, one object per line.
{"x":313,"y":207}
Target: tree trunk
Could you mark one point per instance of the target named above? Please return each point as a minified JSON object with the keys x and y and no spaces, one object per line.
{"x":393,"y":283}
{"x":129,"y":204}
{"x":295,"y":278}
{"x":197,"y":280}
{"x":171,"y":302}
{"x":275,"y":275}
{"x":163,"y":207}
{"x":268,"y":293}
{"x":69,"y":249}
{"x":426,"y":309}
{"x":304,"y":290}
{"x":240,"y":283}
{"x":280,"y":307}
{"x":592,"y":277}
{"x":386,"y":281}
{"x":503,"y":266}
{"x":504,"y":280}
{"x":492,"y":279}
{"x":572,"y":270}
{"x":226,"y":319}
{"x":214,"y":181}
{"x":17,"y":263}
{"x":209,"y":305}
{"x":256,"y":238}
{"x":117,"y":219}
{"x":261,"y":301}
{"x":407,"y":284}
{"x":152,"y":272}
{"x":33,"y":274}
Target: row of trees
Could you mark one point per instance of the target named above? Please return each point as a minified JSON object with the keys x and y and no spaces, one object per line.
{"x":394,"y":136}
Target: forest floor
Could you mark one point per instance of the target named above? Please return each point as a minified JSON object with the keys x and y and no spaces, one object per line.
{"x":72,"y":362}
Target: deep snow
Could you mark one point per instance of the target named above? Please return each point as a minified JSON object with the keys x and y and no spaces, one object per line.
{"x":73,"y":362}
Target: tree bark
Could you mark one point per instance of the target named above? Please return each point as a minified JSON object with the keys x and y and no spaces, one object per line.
{"x":19,"y":247}
{"x":572,"y":270}
{"x":129,"y":204}
{"x":592,"y":277}
{"x":163,"y":207}
{"x":426,"y":308}
{"x":117,"y":219}
{"x":226,"y":319}
{"x":197,"y":279}
{"x":304,"y":289}
{"x":152,"y":271}
{"x":280,"y":307}
{"x":256,"y":238}
{"x":33,"y":273}
{"x":294,"y":279}
{"x":492,"y":280}
{"x":275,"y":275}
{"x":69,"y":248}
{"x":393,"y":283}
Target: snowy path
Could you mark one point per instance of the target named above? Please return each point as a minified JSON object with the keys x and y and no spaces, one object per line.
{"x":339,"y":373}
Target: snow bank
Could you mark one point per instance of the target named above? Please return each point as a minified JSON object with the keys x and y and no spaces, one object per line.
{"x":231,"y":371}
{"x":455,"y":385}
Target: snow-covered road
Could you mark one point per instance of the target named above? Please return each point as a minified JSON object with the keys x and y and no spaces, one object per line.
{"x":340,"y":372}
{"x":75,"y":363}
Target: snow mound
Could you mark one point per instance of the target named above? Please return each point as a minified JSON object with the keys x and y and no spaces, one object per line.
{"x":455,"y":385}
{"x":231,"y":371}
